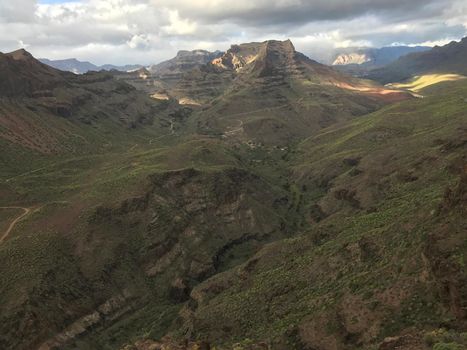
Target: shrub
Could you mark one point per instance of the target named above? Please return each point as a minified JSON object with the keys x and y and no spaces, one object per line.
{"x":449,"y":346}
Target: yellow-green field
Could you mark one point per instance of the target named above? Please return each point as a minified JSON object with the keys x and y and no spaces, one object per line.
{"x":420,"y":82}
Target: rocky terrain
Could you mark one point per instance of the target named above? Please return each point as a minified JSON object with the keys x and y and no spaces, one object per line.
{"x":252,"y":199}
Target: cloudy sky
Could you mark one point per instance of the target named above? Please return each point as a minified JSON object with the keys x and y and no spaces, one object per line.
{"x":148,"y":31}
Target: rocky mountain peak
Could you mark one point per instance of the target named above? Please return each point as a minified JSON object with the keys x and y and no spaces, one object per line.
{"x":20,"y":55}
{"x":184,"y":61}
{"x":239,"y":56}
{"x":351,"y":58}
{"x":285,"y":46}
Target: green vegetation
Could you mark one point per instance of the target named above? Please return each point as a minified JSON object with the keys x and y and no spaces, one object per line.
{"x":287,"y":212}
{"x":418,"y":83}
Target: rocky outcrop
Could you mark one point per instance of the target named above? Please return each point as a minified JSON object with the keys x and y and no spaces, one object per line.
{"x":192,"y":224}
{"x":194,"y":219}
{"x":351,"y":58}
{"x":172,"y":70}
{"x":269,"y":58}
{"x":108,"y":311}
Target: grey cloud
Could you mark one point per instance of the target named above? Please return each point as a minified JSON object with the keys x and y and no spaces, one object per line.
{"x":17,"y":11}
{"x":147,"y":31}
{"x":423,"y":33}
{"x":274,"y":12}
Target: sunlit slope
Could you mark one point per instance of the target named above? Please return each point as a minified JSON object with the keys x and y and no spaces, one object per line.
{"x":448,"y":59}
{"x":420,"y":82}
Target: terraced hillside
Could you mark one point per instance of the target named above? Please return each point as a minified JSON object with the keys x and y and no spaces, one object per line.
{"x":296,"y":208}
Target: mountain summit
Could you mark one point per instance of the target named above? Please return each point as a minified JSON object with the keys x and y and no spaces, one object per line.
{"x":269,"y":78}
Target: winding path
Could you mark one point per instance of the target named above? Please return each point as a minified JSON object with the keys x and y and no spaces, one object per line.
{"x":26,"y":212}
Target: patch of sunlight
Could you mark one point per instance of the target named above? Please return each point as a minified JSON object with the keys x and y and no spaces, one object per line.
{"x":160,"y":96}
{"x":420,"y":82}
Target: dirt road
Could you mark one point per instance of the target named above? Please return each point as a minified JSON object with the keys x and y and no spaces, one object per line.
{"x":26,"y":212}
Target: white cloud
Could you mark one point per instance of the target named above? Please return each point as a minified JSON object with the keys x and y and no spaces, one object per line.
{"x":178,"y":25}
{"x":147,"y":31}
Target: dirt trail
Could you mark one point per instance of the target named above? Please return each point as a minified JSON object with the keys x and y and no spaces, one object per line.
{"x":267,"y":109}
{"x":133,"y":147}
{"x":26,"y":212}
{"x":29,"y":172}
{"x":239,"y":128}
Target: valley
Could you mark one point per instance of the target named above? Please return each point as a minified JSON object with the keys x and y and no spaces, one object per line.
{"x":286,"y":206}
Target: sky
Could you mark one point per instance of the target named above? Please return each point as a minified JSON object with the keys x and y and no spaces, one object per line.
{"x":150,"y":31}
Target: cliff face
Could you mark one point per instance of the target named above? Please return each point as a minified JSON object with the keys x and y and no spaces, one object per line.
{"x":173,"y":69}
{"x":195,"y":220}
{"x":270,"y":58}
{"x":352,"y":58}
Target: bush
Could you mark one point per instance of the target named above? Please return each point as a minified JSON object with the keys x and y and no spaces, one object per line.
{"x":449,"y":346}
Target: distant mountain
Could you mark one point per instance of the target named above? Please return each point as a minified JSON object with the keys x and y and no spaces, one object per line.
{"x":273,"y":79}
{"x":372,"y":56}
{"x":80,"y":67}
{"x":184,"y":61}
{"x":159,"y":78}
{"x":264,"y":76}
{"x":450,"y":58}
{"x":125,"y":68}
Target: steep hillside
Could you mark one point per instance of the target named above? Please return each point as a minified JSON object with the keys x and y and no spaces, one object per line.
{"x":120,"y":218}
{"x":283,"y":206}
{"x":130,"y":264}
{"x":382,"y":260}
{"x":22,"y":75}
{"x":49,"y":111}
{"x":446,"y":59}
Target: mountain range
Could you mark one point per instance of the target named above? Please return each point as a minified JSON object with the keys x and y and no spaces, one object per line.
{"x":240,"y":200}
{"x":449,"y":58}
{"x":365,"y":57}
{"x":79,"y":67}
{"x":372,"y":56}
